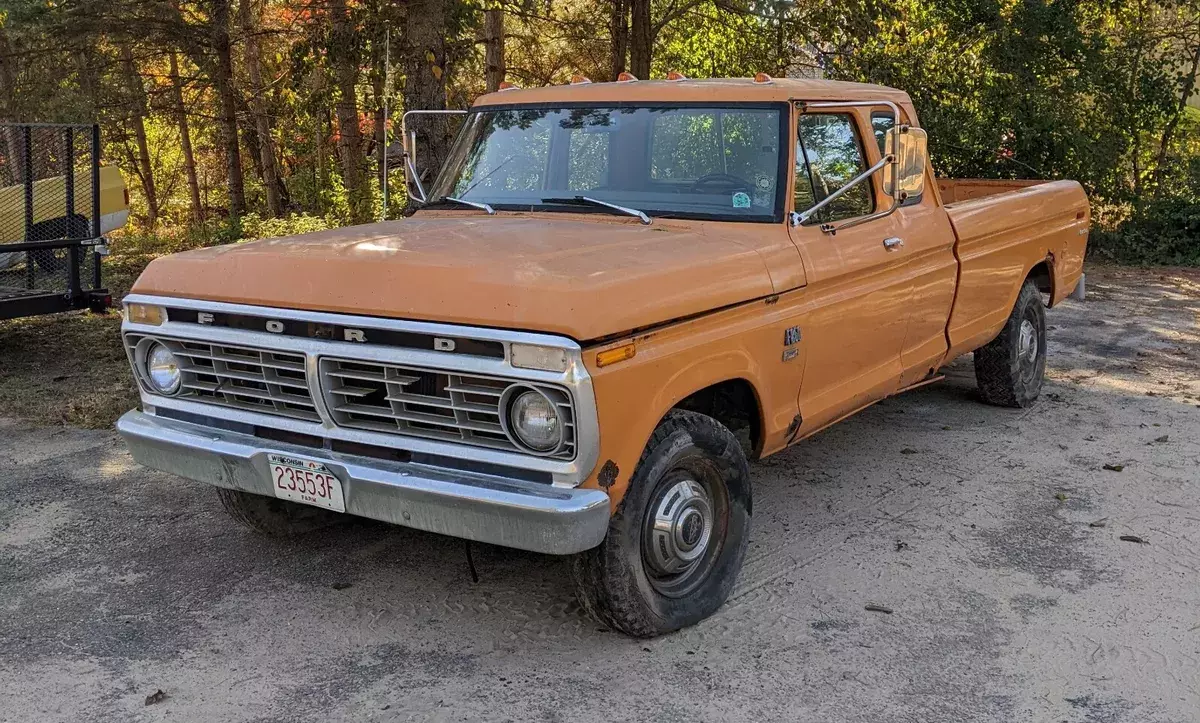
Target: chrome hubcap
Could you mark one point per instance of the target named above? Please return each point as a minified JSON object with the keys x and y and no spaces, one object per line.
{"x":680,"y":528}
{"x":1028,"y":348}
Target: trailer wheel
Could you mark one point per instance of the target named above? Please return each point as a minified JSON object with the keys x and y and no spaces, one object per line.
{"x":55,"y":260}
{"x":274,"y":517}
{"x":1011,"y":368}
{"x":676,"y":543}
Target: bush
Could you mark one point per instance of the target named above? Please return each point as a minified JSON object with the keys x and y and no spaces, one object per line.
{"x":1161,"y":231}
{"x":254,"y":226}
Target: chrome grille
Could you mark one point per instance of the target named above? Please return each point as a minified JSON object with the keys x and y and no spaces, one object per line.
{"x":258,"y":380}
{"x":416,"y":402}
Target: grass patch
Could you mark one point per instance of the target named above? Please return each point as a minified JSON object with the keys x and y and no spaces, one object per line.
{"x":65,"y":369}
{"x":71,"y":368}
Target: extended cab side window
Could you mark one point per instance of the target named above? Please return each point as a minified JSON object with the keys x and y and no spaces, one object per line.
{"x":828,"y":156}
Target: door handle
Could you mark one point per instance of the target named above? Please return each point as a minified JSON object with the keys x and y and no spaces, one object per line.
{"x":894,"y":243}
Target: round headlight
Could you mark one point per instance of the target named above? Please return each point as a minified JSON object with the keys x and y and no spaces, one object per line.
{"x":533,"y":419}
{"x":162,"y":370}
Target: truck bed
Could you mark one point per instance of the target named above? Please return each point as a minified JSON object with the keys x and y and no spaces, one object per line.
{"x":1005,"y":230}
{"x":954,"y":190}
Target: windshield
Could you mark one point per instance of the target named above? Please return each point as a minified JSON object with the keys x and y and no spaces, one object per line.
{"x":691,"y":162}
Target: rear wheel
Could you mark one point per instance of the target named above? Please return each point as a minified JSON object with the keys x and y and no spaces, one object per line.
{"x":274,"y":517}
{"x":676,"y":543}
{"x":1010,"y":370}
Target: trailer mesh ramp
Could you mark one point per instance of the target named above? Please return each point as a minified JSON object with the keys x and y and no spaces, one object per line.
{"x":50,"y":222}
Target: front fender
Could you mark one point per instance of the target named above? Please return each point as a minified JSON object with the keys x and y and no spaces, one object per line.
{"x":671,"y":364}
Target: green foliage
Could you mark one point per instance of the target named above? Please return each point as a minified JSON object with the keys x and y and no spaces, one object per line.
{"x":255,"y":227}
{"x":1163,"y":231}
{"x":1087,"y":89}
{"x":1080,"y":89}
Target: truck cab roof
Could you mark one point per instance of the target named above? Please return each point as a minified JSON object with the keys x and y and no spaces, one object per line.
{"x":714,"y":90}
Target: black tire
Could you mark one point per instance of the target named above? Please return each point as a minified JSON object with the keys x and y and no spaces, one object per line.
{"x":55,"y":260}
{"x":1010,"y":372}
{"x":619,"y":584}
{"x":274,"y":517}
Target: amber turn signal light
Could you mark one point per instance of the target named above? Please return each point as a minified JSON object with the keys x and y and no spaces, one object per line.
{"x":505,"y":85}
{"x":580,"y":79}
{"x":626,"y":77}
{"x":612,"y":356}
{"x":145,"y":314}
{"x":676,"y":76}
{"x":762,"y":78}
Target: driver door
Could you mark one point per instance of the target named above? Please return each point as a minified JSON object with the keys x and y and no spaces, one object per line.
{"x":857,"y":290}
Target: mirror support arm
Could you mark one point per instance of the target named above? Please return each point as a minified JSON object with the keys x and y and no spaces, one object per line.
{"x":802,"y":217}
{"x":409,"y":142}
{"x":891,"y":158}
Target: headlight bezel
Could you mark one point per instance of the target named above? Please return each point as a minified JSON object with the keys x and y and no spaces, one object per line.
{"x":144,"y":352}
{"x":508,"y":402}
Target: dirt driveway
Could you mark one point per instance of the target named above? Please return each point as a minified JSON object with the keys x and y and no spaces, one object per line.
{"x":994,"y":536}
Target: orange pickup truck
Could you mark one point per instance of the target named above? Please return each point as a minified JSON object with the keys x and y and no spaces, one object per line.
{"x":614,"y":296}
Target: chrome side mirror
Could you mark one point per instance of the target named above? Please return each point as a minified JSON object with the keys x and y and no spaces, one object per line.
{"x":910,"y":146}
{"x":412,"y":183}
{"x":408,"y":142}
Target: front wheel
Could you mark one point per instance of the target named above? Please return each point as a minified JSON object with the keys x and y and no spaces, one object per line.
{"x":676,"y":543}
{"x":274,"y":517}
{"x":1011,"y":368}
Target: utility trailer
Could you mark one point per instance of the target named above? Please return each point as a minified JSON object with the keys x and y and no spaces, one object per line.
{"x":56,"y":204}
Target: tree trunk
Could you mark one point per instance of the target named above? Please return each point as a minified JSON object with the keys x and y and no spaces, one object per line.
{"x":493,"y":43}
{"x":14,"y":142}
{"x":641,"y":38}
{"x":782,"y":55}
{"x":262,"y":125}
{"x":378,"y":62}
{"x":137,"y":119}
{"x":425,"y":83}
{"x":185,"y":141}
{"x":1134,"y":83}
{"x":618,"y":28}
{"x":1164,"y":146}
{"x":222,"y":77}
{"x":344,"y":60}
{"x":379,"y":118}
{"x":324,"y":172}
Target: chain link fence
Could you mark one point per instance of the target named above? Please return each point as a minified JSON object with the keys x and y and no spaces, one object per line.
{"x":49,"y":211}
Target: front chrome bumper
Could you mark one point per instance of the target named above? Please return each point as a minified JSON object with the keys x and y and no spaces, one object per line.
{"x":486,"y":508}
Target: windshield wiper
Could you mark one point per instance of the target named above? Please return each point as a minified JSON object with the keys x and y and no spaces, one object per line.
{"x":473,"y":204}
{"x":587,"y":201}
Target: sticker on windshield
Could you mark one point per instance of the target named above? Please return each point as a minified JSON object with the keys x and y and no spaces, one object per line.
{"x":741,"y":200}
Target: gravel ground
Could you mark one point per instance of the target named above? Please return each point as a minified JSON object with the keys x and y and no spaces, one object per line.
{"x":993,"y":536}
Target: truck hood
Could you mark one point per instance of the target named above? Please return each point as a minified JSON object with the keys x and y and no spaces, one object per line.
{"x":586,"y":277}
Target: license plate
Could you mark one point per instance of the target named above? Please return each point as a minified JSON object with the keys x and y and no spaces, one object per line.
{"x":310,"y":483}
